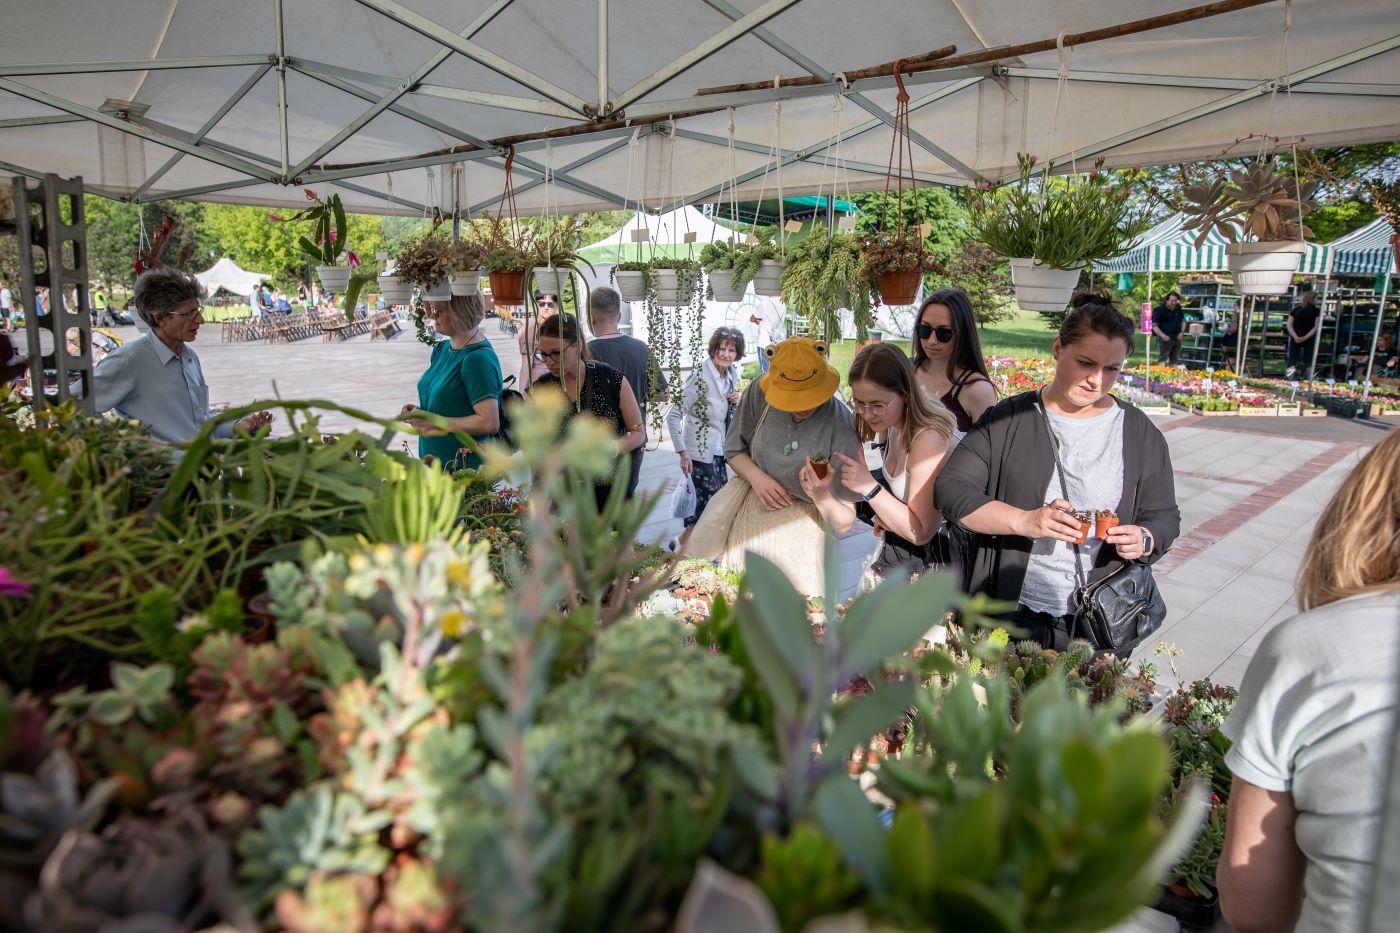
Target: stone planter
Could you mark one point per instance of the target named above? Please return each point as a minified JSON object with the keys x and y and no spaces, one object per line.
{"x":723,"y":287}
{"x":1263,"y":268}
{"x":1043,"y":288}
{"x":334,"y":278}
{"x":767,"y":281}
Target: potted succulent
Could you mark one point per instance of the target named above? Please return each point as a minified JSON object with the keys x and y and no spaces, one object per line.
{"x":763,"y":263}
{"x":328,"y":245}
{"x":1050,"y":228}
{"x":464,"y":268}
{"x":632,"y":279}
{"x":556,"y":255}
{"x":506,"y":255}
{"x":425,"y":260}
{"x":895,"y":263}
{"x":675,"y":280}
{"x":717,"y":260}
{"x":1259,"y":210}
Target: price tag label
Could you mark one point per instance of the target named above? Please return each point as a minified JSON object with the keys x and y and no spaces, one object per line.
{"x":1207,"y":382}
{"x":1210,"y":369}
{"x":1366,"y":385}
{"x":1147,"y":317}
{"x":1295,"y":383}
{"x":1352,"y":383}
{"x":925,"y":229}
{"x":1181,"y":366}
{"x":751,"y":239}
{"x":1233,"y":384}
{"x":847,"y":223}
{"x":793,"y":226}
{"x":689,"y":237}
{"x":641,"y":236}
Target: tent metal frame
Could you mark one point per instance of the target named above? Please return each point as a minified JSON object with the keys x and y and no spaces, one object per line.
{"x":388,"y":92}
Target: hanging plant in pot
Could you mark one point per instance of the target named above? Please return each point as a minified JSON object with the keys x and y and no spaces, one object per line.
{"x":762,"y":263}
{"x":426,"y":260}
{"x":895,"y":262}
{"x":827,"y":272}
{"x":1259,"y":210}
{"x":506,"y":256}
{"x":464,"y":267}
{"x":632,"y":280}
{"x":556,"y":255}
{"x":675,"y":281}
{"x":1050,"y":228}
{"x":326,"y":245}
{"x":717,"y":261}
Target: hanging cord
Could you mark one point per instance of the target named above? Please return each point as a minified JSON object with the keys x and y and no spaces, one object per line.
{"x":902,"y":149}
{"x":1062,"y":97}
{"x":548,"y":207}
{"x":778,"y":156}
{"x":677,"y":200}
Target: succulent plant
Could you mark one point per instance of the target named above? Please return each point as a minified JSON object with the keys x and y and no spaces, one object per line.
{"x":1260,"y":201}
{"x":142,"y":693}
{"x":150,"y":874}
{"x":330,"y":904}
{"x":37,"y":809}
{"x":24,"y":741}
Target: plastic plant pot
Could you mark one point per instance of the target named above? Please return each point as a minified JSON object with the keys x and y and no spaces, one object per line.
{"x":508,"y":288}
{"x":820,"y":464}
{"x":1086,"y":525}
{"x":1105,"y":520}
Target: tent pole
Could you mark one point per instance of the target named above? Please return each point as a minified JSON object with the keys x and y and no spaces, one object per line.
{"x":281,"y":85}
{"x":1376,"y":336}
{"x":1242,"y":345}
{"x":1321,"y":323}
{"x":1147,"y":351}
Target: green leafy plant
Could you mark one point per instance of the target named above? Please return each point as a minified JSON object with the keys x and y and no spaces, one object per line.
{"x":425,"y":259}
{"x":1261,"y":202}
{"x":327,"y":243}
{"x":889,"y":251}
{"x":750,"y":256}
{"x":502,"y":244}
{"x":1062,"y":222}
{"x":825,"y":272}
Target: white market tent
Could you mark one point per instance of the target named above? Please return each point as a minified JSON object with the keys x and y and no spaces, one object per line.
{"x":248,"y":100}
{"x":1170,"y":247}
{"x":227,"y":274}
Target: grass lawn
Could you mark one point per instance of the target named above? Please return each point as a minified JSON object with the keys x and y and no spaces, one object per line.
{"x":1023,"y":335}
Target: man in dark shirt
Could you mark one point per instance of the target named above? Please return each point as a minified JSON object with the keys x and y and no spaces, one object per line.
{"x":1302,"y":327}
{"x":1167,"y":322}
{"x":627,"y":355}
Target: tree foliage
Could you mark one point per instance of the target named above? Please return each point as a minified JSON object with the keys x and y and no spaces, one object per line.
{"x":937,"y":207}
{"x":246,"y":236}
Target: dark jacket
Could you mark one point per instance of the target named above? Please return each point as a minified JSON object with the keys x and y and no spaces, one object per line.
{"x":1007,"y":458}
{"x":1170,"y":321}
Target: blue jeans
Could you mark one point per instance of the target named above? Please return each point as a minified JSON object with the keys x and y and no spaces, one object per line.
{"x":762,"y":360}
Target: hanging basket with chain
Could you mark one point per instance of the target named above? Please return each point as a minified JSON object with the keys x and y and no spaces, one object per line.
{"x":894,"y":254}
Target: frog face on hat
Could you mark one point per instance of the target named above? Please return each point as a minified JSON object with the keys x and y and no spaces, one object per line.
{"x":799,"y":378}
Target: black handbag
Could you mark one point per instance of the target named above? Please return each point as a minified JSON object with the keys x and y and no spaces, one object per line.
{"x":1123,"y":608}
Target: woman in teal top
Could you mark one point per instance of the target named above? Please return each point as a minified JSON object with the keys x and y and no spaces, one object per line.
{"x":462,"y":384}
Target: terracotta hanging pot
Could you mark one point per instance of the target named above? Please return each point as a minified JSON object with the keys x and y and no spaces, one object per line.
{"x":508,"y":288}
{"x":899,"y":288}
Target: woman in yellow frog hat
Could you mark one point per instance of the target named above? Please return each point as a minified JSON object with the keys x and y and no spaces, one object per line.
{"x":785,"y":419}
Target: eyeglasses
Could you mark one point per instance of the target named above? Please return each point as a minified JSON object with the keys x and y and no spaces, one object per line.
{"x":925,"y":331}
{"x":551,"y":356}
{"x":873,"y":408}
{"x":198,"y":309}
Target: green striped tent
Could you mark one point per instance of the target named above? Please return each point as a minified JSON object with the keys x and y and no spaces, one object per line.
{"x":1366,"y":251}
{"x":1170,"y":247}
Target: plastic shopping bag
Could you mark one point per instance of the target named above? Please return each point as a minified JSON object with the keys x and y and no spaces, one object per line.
{"x":683,"y":499}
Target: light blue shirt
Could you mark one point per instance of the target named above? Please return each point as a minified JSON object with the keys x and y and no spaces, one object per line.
{"x":144,"y":380}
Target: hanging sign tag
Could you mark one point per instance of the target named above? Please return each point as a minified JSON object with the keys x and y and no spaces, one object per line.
{"x":689,"y":237}
{"x":925,"y":230}
{"x":751,"y":239}
{"x":793,"y":226}
{"x":641,"y":236}
{"x":1147,"y":317}
{"x":847,"y":223}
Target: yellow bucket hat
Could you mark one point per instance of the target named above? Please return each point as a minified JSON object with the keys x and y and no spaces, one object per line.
{"x":799,"y":378}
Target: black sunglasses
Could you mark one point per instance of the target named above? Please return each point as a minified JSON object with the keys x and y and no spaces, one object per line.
{"x":925,"y":331}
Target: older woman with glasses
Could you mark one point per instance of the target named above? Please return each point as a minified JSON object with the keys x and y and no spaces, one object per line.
{"x":699,"y":424}
{"x":948,"y":357}
{"x":462,"y":385}
{"x":156,"y":379}
{"x":592,"y":388}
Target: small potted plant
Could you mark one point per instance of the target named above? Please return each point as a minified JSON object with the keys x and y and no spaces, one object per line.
{"x":1086,"y":524}
{"x":717,"y":260}
{"x":632,"y":280}
{"x":762,"y":263}
{"x":676,"y":280}
{"x":820,"y":464}
{"x":425,"y":260}
{"x":1105,"y":520}
{"x":506,"y":254}
{"x":1259,"y":210}
{"x":895,"y":263}
{"x":1050,"y":228}
{"x":328,"y":246}
{"x":556,"y":255}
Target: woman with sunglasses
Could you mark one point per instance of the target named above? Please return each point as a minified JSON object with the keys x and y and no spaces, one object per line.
{"x":531,"y":366}
{"x":592,"y":388}
{"x":915,"y":434}
{"x":948,"y":357}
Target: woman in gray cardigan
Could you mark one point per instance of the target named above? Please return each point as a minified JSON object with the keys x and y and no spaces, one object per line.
{"x":698,"y":424}
{"x":1000,"y":483}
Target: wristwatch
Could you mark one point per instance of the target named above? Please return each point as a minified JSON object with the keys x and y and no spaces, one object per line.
{"x":872,"y":493}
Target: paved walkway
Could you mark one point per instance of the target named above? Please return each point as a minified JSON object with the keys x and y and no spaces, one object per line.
{"x":1250,"y":489}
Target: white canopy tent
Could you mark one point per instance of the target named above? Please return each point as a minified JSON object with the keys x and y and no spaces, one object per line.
{"x":247,"y":101}
{"x":227,"y":274}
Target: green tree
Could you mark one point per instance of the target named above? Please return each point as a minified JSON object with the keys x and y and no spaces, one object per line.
{"x":937,"y":207}
{"x":248,"y":237}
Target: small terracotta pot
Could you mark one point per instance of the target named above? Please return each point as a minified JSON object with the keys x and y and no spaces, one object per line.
{"x":1104,"y":522}
{"x":1086,"y":525}
{"x":507,"y":288}
{"x":899,"y":288}
{"x":819,"y":466}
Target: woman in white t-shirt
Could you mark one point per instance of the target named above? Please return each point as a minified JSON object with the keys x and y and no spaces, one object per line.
{"x":1315,"y":722}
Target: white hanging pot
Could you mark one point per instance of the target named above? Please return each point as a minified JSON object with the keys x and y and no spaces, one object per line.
{"x":632,"y":285}
{"x":722,"y":284}
{"x":334,"y":278}
{"x":550,"y":281}
{"x":437,"y":290}
{"x":1043,"y":288}
{"x":1264,"y":268}
{"x":464,"y":283}
{"x":394,"y":290}
{"x":767,"y":281}
{"x":670,"y":289}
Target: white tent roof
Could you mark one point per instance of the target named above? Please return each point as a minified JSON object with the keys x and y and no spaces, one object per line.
{"x":663,"y":231}
{"x":372,"y":86}
{"x":227,"y":275}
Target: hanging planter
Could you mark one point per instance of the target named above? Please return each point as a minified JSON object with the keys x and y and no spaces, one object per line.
{"x":1042,"y":288}
{"x":550,"y":280}
{"x":768,"y":280}
{"x":899,"y":288}
{"x":437,"y":290}
{"x":1264,"y":268}
{"x":507,"y":286}
{"x":334,"y":278}
{"x":722,"y":287}
{"x":394,"y":289}
{"x":631,"y":282}
{"x":464,"y":283}
{"x":675,"y":281}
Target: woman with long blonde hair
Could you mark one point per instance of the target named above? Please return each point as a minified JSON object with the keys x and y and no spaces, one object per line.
{"x":1315,"y":721}
{"x":914,"y":433}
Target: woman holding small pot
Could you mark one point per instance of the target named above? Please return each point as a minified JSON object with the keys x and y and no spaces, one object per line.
{"x":1001,"y":483}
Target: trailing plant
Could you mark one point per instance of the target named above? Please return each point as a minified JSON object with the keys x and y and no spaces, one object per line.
{"x":327,"y":243}
{"x":750,"y":256}
{"x":887,"y":251}
{"x":1061,"y":222}
{"x":425,"y":259}
{"x":666,"y":327}
{"x":556,"y":244}
{"x":825,"y":272}
{"x":1261,"y":202}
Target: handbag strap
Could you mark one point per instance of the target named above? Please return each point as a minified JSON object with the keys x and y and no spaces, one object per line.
{"x":1064,"y":486}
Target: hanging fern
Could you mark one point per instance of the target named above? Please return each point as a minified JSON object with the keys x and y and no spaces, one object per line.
{"x":824,"y":273}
